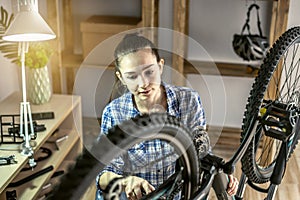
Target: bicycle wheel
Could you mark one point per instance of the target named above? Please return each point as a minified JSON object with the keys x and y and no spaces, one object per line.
{"x":147,"y":130}
{"x":277,"y":81}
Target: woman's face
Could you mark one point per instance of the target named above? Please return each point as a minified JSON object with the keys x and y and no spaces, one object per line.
{"x":141,"y":73}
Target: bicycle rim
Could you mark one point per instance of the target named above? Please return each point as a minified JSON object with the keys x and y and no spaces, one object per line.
{"x":278,"y":79}
{"x":148,"y":129}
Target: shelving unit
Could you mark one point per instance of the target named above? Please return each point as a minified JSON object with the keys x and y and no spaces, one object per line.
{"x":67,"y":122}
{"x":66,"y":63}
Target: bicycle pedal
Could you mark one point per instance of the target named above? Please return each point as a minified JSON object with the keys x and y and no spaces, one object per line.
{"x":277,"y":134}
{"x":276,"y":121}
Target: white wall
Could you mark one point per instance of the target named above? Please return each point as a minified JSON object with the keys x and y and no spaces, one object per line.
{"x":294,"y":14}
{"x":8,"y":71}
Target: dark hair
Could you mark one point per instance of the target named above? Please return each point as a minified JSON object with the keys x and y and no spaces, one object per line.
{"x":132,"y":43}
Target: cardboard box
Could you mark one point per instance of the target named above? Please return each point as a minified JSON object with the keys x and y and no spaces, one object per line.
{"x":97,"y":28}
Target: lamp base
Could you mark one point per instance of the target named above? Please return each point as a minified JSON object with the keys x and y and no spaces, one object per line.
{"x":28,"y":152}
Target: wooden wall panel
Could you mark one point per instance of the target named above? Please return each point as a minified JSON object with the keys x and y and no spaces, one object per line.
{"x":150,"y":16}
{"x":68,"y":26}
{"x":278,"y":27}
{"x":53,"y":21}
{"x":180,"y":24}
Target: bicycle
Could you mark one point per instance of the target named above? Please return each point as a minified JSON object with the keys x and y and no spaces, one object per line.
{"x":268,"y":117}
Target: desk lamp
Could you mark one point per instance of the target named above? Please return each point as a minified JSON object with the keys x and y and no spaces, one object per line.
{"x":27,"y":26}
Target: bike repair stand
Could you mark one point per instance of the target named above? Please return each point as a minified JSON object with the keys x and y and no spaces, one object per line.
{"x":275,"y":179}
{"x":242,"y":186}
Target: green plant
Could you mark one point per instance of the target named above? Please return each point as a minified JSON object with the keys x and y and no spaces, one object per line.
{"x":38,"y":52}
{"x":38,"y":55}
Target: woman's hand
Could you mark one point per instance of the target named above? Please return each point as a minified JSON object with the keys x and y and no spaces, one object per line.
{"x":232,"y":185}
{"x":134,"y":187}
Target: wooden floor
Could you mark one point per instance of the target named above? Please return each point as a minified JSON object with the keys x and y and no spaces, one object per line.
{"x":289,"y":189}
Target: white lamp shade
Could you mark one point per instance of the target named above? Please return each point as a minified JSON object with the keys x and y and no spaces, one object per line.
{"x":28,"y":26}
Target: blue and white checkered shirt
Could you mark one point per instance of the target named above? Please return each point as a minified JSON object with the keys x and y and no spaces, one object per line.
{"x":183,"y":103}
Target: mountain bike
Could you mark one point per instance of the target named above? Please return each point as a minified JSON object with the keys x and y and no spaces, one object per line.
{"x":270,"y":133}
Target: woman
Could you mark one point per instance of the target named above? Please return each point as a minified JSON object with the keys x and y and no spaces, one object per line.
{"x":139,"y":68}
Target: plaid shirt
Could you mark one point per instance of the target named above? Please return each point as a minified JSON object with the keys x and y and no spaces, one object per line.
{"x":183,"y":103}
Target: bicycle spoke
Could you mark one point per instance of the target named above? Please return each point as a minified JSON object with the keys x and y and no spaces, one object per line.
{"x":290,"y":80}
{"x":266,"y":149}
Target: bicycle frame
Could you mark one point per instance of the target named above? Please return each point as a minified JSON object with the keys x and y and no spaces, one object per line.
{"x":212,"y":165}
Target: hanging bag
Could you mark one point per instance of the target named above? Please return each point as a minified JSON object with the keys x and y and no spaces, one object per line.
{"x":250,"y":46}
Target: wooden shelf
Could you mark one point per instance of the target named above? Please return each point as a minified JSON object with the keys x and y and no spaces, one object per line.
{"x":31,"y":189}
{"x":98,"y":28}
{"x":224,"y":69}
{"x":74,"y":61}
{"x":67,"y":121}
{"x":70,"y":60}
